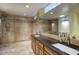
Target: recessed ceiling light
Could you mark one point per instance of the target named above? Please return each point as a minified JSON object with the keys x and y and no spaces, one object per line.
{"x":27,"y":6}
{"x":61,"y":15}
{"x":51,"y":12}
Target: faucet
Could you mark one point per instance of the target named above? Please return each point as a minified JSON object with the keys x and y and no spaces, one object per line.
{"x":68,"y":39}
{"x":65,"y":36}
{"x":61,"y":35}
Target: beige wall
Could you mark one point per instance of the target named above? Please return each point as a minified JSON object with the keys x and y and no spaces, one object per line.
{"x":23,"y":30}
{"x":75,"y":24}
{"x":15,"y":29}
{"x":42,"y":26}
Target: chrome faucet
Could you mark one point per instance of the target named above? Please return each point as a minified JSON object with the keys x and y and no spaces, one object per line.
{"x":60,"y":36}
{"x":68,"y":40}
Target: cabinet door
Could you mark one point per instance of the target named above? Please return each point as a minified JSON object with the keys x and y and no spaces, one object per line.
{"x":37,"y":47}
{"x":37,"y":50}
{"x":46,"y":53}
{"x":33,"y":45}
{"x":40,"y":48}
{"x":41,"y":51}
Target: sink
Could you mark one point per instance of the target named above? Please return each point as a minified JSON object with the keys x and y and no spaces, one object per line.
{"x":66,"y":49}
{"x":37,"y":35}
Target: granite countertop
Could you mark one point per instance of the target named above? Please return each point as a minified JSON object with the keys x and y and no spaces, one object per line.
{"x":47,"y":41}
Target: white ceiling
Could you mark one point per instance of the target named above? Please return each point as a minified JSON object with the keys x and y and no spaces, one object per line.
{"x":20,"y":9}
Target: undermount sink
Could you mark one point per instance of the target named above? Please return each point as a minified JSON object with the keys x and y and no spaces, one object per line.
{"x":36,"y":35}
{"x":66,"y":49}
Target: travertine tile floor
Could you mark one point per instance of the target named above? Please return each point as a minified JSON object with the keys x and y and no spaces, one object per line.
{"x":18,"y":48}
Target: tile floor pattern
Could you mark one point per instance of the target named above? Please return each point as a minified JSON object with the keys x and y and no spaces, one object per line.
{"x":18,"y":48}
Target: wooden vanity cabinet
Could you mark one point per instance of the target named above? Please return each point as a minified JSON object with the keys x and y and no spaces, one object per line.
{"x":40,"y":49}
{"x":48,"y":51}
{"x":33,"y":45}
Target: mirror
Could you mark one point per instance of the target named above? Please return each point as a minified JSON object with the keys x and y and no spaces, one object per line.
{"x":68,"y":22}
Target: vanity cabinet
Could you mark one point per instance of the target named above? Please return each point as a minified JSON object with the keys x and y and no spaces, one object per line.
{"x":48,"y":51}
{"x":33,"y":45}
{"x":40,"y":49}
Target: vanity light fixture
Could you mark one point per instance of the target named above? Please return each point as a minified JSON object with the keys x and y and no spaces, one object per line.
{"x":27,"y":6}
{"x":61,"y":15}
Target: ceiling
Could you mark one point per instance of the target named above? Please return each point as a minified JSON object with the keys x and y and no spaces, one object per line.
{"x":62,"y":9}
{"x":20,"y":9}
